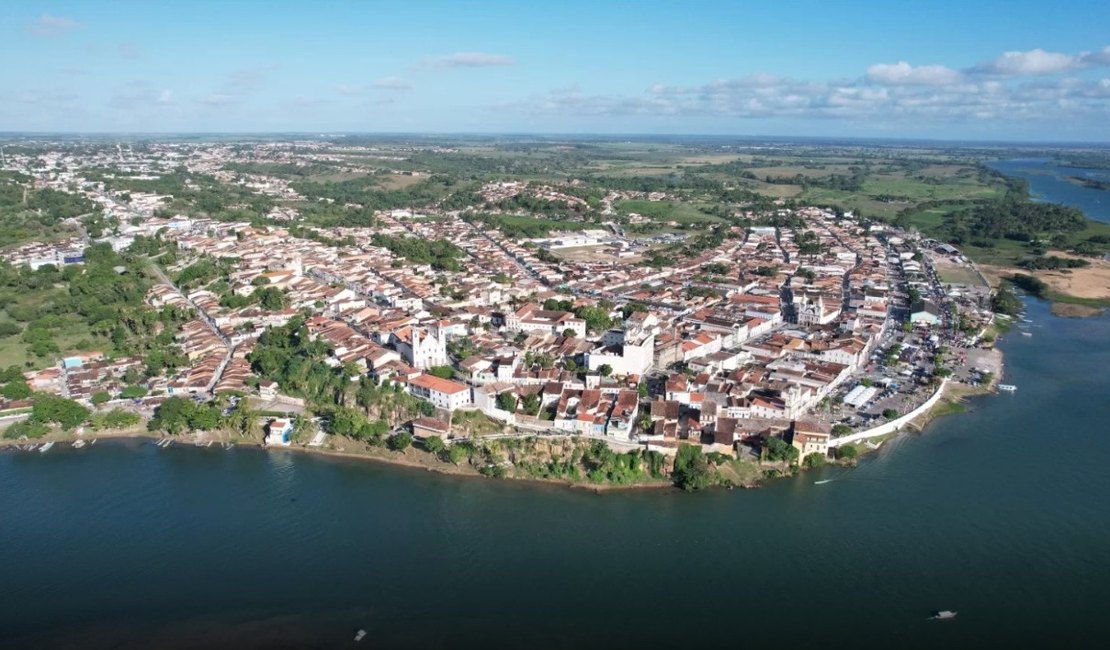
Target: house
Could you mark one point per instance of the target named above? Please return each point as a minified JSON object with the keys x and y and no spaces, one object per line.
{"x":530,"y":319}
{"x":426,"y":427}
{"x":267,"y":390}
{"x":809,"y":438}
{"x":443,"y":393}
{"x":279,"y":432}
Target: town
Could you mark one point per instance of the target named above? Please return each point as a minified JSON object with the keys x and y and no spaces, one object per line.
{"x":779,"y":333}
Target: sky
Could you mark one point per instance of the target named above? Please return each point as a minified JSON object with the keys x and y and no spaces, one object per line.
{"x":983,"y":70}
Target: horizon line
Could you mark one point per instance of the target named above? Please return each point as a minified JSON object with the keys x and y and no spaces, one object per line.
{"x":550,"y":134}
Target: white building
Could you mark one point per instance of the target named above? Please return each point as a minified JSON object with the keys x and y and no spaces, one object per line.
{"x":443,"y":393}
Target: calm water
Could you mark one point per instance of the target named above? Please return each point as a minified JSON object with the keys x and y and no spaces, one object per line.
{"x":1000,"y":514}
{"x":1049,"y":182}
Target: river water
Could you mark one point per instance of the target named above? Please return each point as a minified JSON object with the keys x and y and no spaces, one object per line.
{"x":1000,"y":513}
{"x":1049,"y":181}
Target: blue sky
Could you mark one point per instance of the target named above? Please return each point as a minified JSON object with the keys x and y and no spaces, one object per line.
{"x":984,"y":70}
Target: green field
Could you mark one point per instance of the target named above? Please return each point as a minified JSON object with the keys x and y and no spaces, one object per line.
{"x":663,"y":211}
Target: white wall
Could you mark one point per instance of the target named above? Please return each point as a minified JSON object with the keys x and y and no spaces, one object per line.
{"x":893,"y":425}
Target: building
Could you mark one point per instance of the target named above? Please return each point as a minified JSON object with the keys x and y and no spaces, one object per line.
{"x":809,"y":438}
{"x":925,"y":312}
{"x":443,"y":393}
{"x":531,"y":319}
{"x":420,"y":348}
{"x":267,"y":390}
{"x":279,"y":433}
{"x":627,"y":352}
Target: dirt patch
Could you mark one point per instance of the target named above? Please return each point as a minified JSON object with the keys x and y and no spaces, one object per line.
{"x":1092,"y":282}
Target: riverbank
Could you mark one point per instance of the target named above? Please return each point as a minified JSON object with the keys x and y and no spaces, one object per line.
{"x":1074,"y":292}
{"x":412,"y":458}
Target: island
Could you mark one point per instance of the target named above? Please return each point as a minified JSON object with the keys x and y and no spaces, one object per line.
{"x":600,"y":313}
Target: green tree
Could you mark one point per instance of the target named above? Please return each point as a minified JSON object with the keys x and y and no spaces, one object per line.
{"x":400,"y":441}
{"x":65,"y":412}
{"x":507,"y":402}
{"x":443,"y":372}
{"x":605,"y":370}
{"x":100,"y":397}
{"x":847,"y":452}
{"x":16,"y":390}
{"x":779,"y":450}
{"x":890,"y":414}
{"x":814,"y":460}
{"x":691,"y":468}
{"x":434,"y":444}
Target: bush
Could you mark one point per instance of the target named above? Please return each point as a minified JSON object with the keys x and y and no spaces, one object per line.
{"x":16,"y":390}
{"x":780,"y":450}
{"x":434,"y":444}
{"x":691,"y":468}
{"x":847,"y":452}
{"x":814,"y":460}
{"x":100,"y":397}
{"x":401,"y":441}
{"x":133,"y":392}
{"x":26,"y":428}
{"x":890,"y":414}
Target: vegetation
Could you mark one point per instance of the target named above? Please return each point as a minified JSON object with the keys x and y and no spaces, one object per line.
{"x":691,"y":468}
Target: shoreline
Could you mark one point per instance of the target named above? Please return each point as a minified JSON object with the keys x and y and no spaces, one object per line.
{"x":385,"y":458}
{"x":951,"y":401}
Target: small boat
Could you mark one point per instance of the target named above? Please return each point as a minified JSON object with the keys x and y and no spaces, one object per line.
{"x":360,"y":635}
{"x":45,"y":448}
{"x":942,"y":615}
{"x":822,"y":482}
{"x":77,"y":444}
{"x":1009,"y":388}
{"x":1027,"y":333}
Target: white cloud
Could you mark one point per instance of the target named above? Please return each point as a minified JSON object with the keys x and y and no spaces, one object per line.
{"x":904,"y":74}
{"x":392,"y":83}
{"x":1100,"y":57}
{"x":165,"y":97}
{"x":1033,"y":62}
{"x":861,"y":100}
{"x":48,"y":25}
{"x":466,"y":60}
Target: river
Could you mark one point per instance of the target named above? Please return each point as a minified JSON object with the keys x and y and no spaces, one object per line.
{"x":1049,"y":181}
{"x":999,"y":513}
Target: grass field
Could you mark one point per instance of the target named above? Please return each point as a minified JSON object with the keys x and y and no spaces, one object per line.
{"x":664,"y":211}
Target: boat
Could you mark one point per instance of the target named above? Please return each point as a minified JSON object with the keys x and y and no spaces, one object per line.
{"x":1009,"y":388}
{"x":828,"y":480}
{"x":1027,"y":333}
{"x":942,"y":615}
{"x":360,"y":635}
{"x":45,"y":448}
{"x":77,"y":444}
